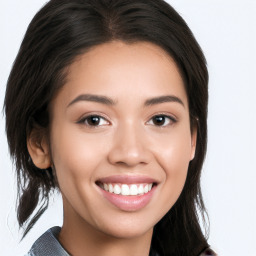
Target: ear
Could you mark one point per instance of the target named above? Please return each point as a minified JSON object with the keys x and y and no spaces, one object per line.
{"x":193,"y":142}
{"x":38,"y":149}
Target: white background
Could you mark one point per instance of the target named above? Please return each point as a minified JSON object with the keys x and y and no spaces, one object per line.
{"x":226,"y":30}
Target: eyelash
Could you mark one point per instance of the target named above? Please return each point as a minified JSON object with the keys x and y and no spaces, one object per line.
{"x":85,"y":119}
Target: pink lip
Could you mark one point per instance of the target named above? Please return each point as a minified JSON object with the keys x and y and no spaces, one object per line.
{"x":128,"y":203}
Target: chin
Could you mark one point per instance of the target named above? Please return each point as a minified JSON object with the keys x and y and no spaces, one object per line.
{"x":128,"y":233}
{"x":127,"y":227}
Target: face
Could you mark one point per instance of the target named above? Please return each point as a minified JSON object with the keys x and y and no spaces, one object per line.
{"x":120,"y":138}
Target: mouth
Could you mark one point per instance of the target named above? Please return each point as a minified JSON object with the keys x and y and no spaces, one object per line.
{"x":126,"y":189}
{"x":128,"y":193}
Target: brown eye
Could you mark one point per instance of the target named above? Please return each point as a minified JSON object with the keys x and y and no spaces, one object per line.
{"x":162,"y":120}
{"x":93,"y":120}
{"x":159,"y":120}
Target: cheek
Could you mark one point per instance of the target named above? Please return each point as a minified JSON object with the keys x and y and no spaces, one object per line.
{"x":174,"y":156}
{"x":67,"y":155}
{"x":71,"y":144}
{"x":75,"y":157}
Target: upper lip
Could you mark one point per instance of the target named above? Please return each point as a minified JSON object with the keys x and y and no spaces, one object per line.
{"x":127,"y":179}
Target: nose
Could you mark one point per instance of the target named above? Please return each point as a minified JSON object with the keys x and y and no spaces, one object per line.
{"x":129,"y":147}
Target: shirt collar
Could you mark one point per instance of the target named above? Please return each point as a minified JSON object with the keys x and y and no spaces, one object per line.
{"x":48,"y":244}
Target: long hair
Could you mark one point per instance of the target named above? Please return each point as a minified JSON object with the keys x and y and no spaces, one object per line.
{"x":65,"y":29}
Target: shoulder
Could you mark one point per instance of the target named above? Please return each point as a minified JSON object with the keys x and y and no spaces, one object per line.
{"x":48,"y":244}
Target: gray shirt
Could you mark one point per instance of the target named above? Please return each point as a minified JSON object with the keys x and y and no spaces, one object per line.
{"x":48,"y":245}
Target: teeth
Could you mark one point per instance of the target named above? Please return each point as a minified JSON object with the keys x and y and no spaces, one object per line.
{"x":146,"y":189}
{"x":141,"y":189}
{"x":117,"y":189}
{"x":133,"y":190}
{"x":105,"y":186}
{"x":110,"y":188}
{"x":127,"y":190}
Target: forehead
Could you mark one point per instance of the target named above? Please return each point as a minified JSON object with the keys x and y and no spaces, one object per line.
{"x":118,"y":69}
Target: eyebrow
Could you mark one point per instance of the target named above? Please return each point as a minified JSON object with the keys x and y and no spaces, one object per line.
{"x":110,"y":102}
{"x":94,"y":98}
{"x":163,"y":99}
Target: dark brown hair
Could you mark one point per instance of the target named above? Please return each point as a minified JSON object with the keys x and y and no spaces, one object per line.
{"x":61,"y":31}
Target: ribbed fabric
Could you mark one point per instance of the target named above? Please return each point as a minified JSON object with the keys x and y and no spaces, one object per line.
{"x":48,"y":245}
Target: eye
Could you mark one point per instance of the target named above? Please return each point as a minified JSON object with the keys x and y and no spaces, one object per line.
{"x":93,"y":121}
{"x":162,"y":120}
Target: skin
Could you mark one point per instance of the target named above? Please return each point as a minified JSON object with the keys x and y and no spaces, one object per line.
{"x":126,"y":141}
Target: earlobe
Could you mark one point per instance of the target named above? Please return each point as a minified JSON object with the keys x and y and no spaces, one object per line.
{"x":38,"y":149}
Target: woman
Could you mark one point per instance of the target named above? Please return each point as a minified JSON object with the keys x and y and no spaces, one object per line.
{"x":107,"y":102}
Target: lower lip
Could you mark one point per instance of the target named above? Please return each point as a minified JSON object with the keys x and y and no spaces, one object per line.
{"x":129,"y":203}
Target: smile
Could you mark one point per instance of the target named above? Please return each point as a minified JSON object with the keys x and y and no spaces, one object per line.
{"x":128,"y":193}
{"x":127,"y":190}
